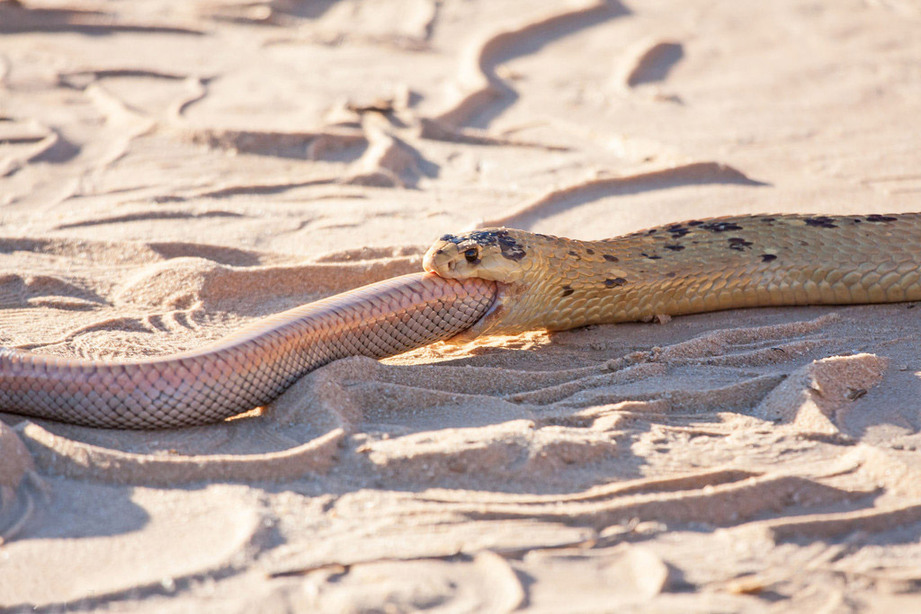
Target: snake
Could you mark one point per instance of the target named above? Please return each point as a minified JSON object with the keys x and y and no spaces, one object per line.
{"x":492,"y":281}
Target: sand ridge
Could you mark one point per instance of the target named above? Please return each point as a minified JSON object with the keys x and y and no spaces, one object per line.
{"x":170,"y":172}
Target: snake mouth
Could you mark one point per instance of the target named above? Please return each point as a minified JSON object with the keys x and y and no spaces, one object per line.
{"x":446,"y":268}
{"x":430,"y":264}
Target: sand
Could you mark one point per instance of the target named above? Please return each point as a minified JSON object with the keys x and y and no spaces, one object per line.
{"x":170,"y":171}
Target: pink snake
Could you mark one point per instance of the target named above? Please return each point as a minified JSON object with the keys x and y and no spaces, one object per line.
{"x":247,"y":369}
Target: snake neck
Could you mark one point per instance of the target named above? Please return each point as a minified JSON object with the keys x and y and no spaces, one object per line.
{"x":561,"y":283}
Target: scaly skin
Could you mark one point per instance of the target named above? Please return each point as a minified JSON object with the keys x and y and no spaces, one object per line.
{"x":507,"y":281}
{"x":247,"y":369}
{"x":690,"y":267}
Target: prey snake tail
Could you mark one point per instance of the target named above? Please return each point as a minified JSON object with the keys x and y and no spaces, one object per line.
{"x":489,"y":282}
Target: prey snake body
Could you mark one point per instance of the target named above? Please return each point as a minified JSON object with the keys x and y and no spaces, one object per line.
{"x":246,"y":369}
{"x":492,"y":281}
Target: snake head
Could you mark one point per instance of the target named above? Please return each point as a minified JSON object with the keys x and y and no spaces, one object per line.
{"x":498,"y":254}
{"x":535,"y":274}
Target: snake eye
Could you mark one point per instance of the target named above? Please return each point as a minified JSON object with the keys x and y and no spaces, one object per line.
{"x":472,"y":255}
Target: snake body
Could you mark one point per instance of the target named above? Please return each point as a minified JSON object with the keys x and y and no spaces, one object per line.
{"x":689,"y":267}
{"x":488,"y":282}
{"x":247,"y":369}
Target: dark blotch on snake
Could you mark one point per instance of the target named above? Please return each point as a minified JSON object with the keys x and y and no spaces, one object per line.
{"x":821,"y":221}
{"x":721,"y":226}
{"x":507,"y":245}
{"x":739,"y":244}
{"x":675,"y":247}
{"x":615,"y":283}
{"x":610,"y":258}
{"x":880,"y":218}
{"x":768,"y":257}
{"x":567,"y":290}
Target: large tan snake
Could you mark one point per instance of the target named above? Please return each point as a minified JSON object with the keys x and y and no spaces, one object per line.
{"x":487,"y":282}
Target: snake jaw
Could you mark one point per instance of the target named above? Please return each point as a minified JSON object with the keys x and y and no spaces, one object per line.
{"x":434,"y":262}
{"x":448,"y":262}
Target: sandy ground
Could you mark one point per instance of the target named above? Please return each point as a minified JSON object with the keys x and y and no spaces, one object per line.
{"x":172,"y":170}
